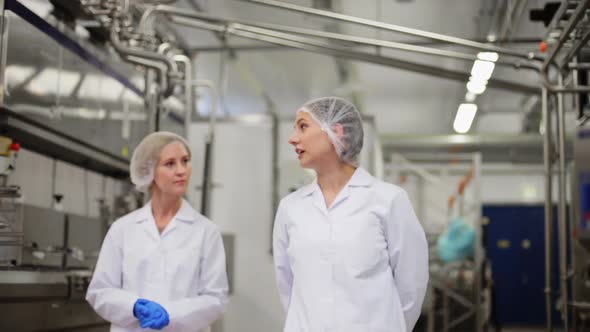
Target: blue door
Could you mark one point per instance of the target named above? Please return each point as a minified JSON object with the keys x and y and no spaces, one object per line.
{"x":515,"y":244}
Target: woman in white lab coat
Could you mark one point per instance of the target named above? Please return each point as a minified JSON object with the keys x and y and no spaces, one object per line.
{"x":162,"y":266}
{"x":349,"y":252}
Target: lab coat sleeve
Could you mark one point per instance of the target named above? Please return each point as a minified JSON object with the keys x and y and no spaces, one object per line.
{"x":104,"y":293}
{"x":408,"y":257}
{"x":283,"y":271}
{"x":198,"y":312}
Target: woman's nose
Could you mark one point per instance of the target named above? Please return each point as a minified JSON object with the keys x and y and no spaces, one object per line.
{"x":181,"y":169}
{"x":293,"y":139}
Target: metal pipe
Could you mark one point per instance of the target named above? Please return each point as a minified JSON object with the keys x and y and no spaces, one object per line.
{"x":397,"y":28}
{"x":343,"y":52}
{"x":143,"y":28}
{"x":479,"y":251}
{"x":163,"y":48}
{"x":563,"y":8}
{"x":574,"y":50}
{"x":126,"y":50}
{"x":188,"y":89}
{"x":417,"y":67}
{"x":548,"y":162}
{"x":561,"y":208}
{"x":576,"y":16}
{"x":560,"y":88}
{"x":382,"y":43}
{"x":151,"y":64}
{"x":580,"y":66}
{"x":214,"y":103}
{"x":207,"y":183}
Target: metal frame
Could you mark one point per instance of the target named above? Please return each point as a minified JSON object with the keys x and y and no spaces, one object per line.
{"x":570,"y":33}
{"x":406,"y":163}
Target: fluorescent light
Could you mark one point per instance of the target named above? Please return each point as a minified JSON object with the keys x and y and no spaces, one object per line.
{"x":173,"y":104}
{"x":488,"y":56}
{"x":83,"y":113}
{"x":470,"y":97}
{"x":482,"y":69}
{"x":100,"y":87}
{"x":128,"y":116}
{"x":53,"y":81}
{"x":16,"y":75}
{"x":111,"y":89}
{"x":464,"y":118}
{"x":130,"y":97}
{"x":476,"y":86}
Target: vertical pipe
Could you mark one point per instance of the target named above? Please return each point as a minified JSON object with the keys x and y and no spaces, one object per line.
{"x":3,"y":50}
{"x":574,"y":205}
{"x":188,"y":90}
{"x":66,"y":242}
{"x":275,"y":164}
{"x":479,"y":251}
{"x":561,"y":208}
{"x":207,"y":174}
{"x":431,"y":310}
{"x":446,"y":310}
{"x":548,"y":161}
{"x":206,"y":191}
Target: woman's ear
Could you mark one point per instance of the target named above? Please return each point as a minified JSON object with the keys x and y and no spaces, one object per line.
{"x":338,"y":130}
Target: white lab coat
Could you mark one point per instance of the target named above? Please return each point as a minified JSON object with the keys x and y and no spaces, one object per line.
{"x":359,"y":266}
{"x":183,"y":269}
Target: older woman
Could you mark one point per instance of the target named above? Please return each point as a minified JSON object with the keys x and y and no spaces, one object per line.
{"x":349,"y":252}
{"x":163,"y":265}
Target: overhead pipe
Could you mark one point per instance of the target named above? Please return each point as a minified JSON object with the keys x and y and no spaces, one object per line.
{"x":316,"y":46}
{"x":131,"y":51}
{"x":150,"y":64}
{"x":549,"y":62}
{"x":397,"y":28}
{"x":161,"y":68}
{"x":144,"y":27}
{"x":578,"y":14}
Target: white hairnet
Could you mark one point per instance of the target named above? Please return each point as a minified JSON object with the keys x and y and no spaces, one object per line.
{"x":146,"y":156}
{"x":329,"y":111}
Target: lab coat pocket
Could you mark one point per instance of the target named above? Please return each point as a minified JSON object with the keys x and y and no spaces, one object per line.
{"x":182,"y":267}
{"x":367,"y":251}
{"x":136,"y":266}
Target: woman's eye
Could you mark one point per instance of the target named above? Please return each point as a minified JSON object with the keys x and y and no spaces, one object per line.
{"x":169,"y":163}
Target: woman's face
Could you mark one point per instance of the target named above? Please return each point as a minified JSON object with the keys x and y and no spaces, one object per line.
{"x":173,"y":170}
{"x":311,"y":143}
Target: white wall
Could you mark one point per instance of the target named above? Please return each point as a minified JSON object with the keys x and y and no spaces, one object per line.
{"x":241,"y":205}
{"x":81,"y":188}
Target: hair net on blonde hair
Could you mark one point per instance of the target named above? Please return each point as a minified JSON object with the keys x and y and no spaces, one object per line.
{"x":146,"y":156}
{"x":330,"y":111}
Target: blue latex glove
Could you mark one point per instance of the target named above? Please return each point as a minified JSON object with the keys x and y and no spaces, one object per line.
{"x":150,"y":314}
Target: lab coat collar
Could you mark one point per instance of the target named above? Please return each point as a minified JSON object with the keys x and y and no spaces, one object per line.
{"x":310,"y":188}
{"x":186,"y":213}
{"x":360,"y":178}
